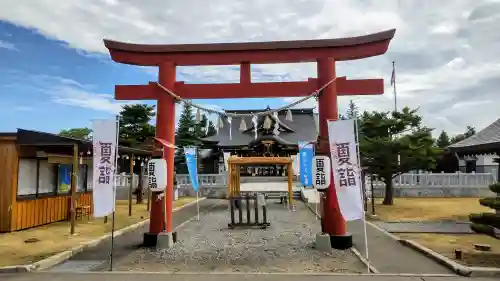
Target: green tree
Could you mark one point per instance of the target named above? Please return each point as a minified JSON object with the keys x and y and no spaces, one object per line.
{"x":352,"y":110}
{"x":77,"y":133}
{"x":135,"y":127}
{"x":443,"y":140}
{"x":186,"y":135}
{"x":470,"y":131}
{"x":384,"y":135}
{"x":135,"y":130}
{"x":487,"y":222}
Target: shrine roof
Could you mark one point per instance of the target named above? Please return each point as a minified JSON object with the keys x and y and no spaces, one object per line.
{"x":485,"y":141}
{"x":303,"y":128}
{"x":251,"y":46}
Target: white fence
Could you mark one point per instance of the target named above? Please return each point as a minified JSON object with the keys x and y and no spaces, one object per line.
{"x":436,"y":185}
{"x":440,"y":180}
{"x":205,"y":180}
{"x":403,"y":180}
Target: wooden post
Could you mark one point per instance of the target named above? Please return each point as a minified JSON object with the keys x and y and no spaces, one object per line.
{"x":290,"y":184}
{"x":131,"y":186}
{"x":237,"y":179}
{"x":230,"y":180}
{"x":74,"y":179}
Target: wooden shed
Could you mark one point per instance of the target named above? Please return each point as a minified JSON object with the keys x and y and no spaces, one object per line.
{"x":36,"y":183}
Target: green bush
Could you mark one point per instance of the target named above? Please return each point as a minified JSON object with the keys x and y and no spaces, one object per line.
{"x":486,"y":222}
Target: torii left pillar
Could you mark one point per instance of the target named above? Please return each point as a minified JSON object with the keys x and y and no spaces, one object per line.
{"x":160,"y":230}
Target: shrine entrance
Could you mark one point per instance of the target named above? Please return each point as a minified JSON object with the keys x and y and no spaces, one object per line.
{"x":234,"y":172}
{"x":325,"y":88}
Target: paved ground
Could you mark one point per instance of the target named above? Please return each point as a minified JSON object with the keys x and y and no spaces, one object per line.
{"x":124,"y":244}
{"x":268,"y":186}
{"x":126,"y":276}
{"x":209,"y":246}
{"x":389,"y":256}
{"x":451,"y":227}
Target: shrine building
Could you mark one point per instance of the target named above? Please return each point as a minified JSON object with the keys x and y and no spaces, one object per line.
{"x":269,"y":140}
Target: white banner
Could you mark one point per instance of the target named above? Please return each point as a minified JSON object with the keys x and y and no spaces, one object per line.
{"x":295,"y":164}
{"x":104,"y":161}
{"x":346,"y":171}
{"x":226,"y":157}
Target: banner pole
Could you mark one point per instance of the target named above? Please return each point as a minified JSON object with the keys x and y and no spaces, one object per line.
{"x":197,"y":207}
{"x":114,"y":195}
{"x":361,"y":191}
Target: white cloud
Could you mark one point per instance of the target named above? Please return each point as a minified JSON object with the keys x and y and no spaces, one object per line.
{"x":447,"y":59}
{"x":8,"y":46}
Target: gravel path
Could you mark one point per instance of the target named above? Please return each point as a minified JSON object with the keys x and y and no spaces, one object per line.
{"x":208,"y":245}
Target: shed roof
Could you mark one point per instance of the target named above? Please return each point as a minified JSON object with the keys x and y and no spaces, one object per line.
{"x":36,"y":138}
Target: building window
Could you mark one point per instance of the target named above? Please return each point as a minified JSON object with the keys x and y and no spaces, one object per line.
{"x":47,"y":175}
{"x":27,"y":177}
{"x":82,"y":179}
{"x":39,"y":178}
{"x":64,"y":178}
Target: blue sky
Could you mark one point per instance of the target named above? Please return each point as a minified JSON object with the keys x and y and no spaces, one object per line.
{"x":447,"y":60}
{"x":46,"y":85}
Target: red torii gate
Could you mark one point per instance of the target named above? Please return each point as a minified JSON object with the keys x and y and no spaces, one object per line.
{"x":324,"y":51}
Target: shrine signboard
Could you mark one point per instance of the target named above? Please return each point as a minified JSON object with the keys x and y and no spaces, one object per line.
{"x":322,"y":172}
{"x":157,"y":175}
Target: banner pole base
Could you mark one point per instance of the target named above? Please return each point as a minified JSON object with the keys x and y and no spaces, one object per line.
{"x":165,"y":240}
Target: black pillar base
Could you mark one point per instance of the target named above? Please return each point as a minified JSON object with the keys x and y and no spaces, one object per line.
{"x":341,"y":242}
{"x":149,"y":239}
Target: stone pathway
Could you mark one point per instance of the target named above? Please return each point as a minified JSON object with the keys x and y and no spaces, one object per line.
{"x":451,"y":227}
{"x":131,"y":276}
{"x":209,"y":246}
{"x":267,"y":186}
{"x":98,"y":257}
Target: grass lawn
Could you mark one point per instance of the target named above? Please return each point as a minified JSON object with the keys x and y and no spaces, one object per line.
{"x":428,"y":209}
{"x":54,"y":238}
{"x":446,"y":244}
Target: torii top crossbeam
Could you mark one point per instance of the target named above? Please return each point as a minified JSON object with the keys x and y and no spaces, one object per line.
{"x":256,"y":52}
{"x":245,"y":54}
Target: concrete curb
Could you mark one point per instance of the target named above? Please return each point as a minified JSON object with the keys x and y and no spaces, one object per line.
{"x":65,"y":255}
{"x":370,"y":267}
{"x":462,"y":270}
{"x":355,"y":251}
{"x":459,"y":269}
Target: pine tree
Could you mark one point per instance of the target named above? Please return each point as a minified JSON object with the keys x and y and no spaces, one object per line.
{"x":381,"y":140}
{"x":443,"y":141}
{"x":201,"y":126}
{"x":212,"y":131}
{"x":352,"y":110}
{"x":185,"y":136}
{"x":487,"y":222}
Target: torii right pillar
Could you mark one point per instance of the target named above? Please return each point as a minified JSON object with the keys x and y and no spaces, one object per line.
{"x":332,"y":221}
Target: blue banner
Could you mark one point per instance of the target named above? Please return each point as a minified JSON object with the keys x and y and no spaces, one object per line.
{"x":306,"y":152}
{"x":191,"y":162}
